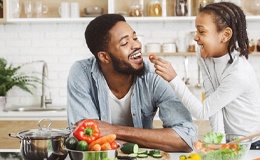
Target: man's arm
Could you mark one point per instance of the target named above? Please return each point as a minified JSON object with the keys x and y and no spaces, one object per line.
{"x":80,"y":104}
{"x":165,"y":139}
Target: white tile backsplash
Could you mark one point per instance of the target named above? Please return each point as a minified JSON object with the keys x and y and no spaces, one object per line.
{"x":61,"y":44}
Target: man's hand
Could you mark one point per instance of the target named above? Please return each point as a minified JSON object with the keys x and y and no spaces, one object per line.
{"x":165,"y":138}
{"x":105,"y":128}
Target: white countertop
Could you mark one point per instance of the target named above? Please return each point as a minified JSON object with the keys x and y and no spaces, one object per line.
{"x":251,"y":155}
{"x":22,"y":115}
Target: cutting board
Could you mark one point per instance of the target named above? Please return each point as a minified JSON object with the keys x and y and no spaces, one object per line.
{"x":165,"y":155}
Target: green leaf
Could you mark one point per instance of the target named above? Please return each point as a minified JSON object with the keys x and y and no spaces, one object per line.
{"x":213,"y":137}
{"x":11,"y":76}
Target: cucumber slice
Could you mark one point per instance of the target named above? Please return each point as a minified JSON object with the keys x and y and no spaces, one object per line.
{"x":129,"y":148}
{"x":142,"y":151}
{"x":156,"y":155}
{"x":142,"y":155}
{"x":154,"y":151}
{"x":132,"y":155}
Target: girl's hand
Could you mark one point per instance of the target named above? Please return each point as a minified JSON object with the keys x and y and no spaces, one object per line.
{"x":163,"y":68}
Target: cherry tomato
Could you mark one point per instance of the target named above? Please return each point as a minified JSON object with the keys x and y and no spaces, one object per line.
{"x":114,"y":145}
{"x":225,"y":146}
{"x":234,"y":146}
{"x":151,"y":56}
{"x":198,"y":144}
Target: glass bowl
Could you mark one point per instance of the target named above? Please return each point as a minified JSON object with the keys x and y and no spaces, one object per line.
{"x":223,"y":151}
{"x":93,"y":10}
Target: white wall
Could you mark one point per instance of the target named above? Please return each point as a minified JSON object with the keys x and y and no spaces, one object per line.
{"x":62,"y":44}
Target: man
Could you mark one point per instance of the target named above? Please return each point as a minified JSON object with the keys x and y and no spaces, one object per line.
{"x":116,"y":88}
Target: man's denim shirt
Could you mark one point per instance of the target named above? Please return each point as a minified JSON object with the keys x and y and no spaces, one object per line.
{"x":88,"y":98}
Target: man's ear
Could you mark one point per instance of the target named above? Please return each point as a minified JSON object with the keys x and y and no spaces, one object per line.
{"x":103,"y":57}
{"x":227,"y":34}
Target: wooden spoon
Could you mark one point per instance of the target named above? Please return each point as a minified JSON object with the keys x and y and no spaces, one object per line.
{"x":217,"y":146}
{"x":244,"y":138}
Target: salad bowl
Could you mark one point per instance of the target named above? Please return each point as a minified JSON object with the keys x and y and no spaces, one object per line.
{"x":216,"y":146}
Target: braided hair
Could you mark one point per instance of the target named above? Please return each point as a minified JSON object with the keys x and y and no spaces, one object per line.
{"x":227,"y":14}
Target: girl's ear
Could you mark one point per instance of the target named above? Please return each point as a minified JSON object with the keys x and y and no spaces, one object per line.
{"x":103,"y":57}
{"x":227,"y":34}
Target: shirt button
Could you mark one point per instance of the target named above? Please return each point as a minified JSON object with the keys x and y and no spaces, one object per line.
{"x":134,"y":114}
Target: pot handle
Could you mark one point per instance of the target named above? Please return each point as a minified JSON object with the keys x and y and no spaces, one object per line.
{"x":14,"y":135}
{"x":42,"y":126}
{"x":71,"y":127}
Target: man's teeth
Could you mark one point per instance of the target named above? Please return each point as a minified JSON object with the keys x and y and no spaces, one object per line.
{"x":201,"y":46}
{"x":136,"y":55}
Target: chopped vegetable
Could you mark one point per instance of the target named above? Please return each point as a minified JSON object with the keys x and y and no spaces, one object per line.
{"x":132,"y":155}
{"x":87,"y":130}
{"x":142,"y":151}
{"x":157,"y":155}
{"x":198,"y":144}
{"x":213,"y":137}
{"x":142,"y":155}
{"x":154,"y":151}
{"x":133,"y":150}
{"x":225,"y":152}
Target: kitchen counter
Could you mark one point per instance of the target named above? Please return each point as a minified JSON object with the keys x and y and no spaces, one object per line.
{"x":26,"y":115}
{"x":252,"y":154}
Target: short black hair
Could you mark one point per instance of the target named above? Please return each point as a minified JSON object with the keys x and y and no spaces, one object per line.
{"x":97,"y":32}
{"x":227,"y":14}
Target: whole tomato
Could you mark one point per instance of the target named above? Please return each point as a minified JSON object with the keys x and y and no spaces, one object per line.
{"x":114,"y":145}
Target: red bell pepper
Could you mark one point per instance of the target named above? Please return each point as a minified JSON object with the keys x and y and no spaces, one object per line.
{"x":87,"y":130}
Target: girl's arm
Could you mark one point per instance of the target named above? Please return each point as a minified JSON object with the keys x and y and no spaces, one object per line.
{"x":216,"y":120}
{"x":230,"y":88}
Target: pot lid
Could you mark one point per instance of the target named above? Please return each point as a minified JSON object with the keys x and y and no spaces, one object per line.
{"x":44,"y":132}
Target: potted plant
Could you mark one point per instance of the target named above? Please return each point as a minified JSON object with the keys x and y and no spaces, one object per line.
{"x":11,"y":76}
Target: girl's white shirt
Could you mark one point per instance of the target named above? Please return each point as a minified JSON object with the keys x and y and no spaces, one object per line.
{"x":232,"y":93}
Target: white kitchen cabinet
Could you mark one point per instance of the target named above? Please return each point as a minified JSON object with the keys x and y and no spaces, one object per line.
{"x":109,"y":6}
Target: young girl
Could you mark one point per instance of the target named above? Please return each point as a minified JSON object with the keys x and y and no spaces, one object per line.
{"x":232,"y":94}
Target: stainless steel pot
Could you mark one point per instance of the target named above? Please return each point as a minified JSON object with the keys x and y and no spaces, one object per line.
{"x":43,"y":143}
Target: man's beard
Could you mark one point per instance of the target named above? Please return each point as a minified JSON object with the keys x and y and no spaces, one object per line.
{"x":125,"y":68}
